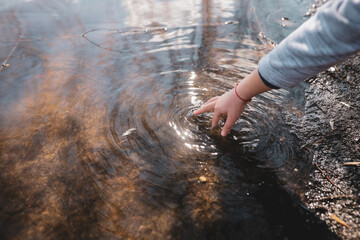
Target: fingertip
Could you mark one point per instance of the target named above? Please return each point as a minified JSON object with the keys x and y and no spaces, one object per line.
{"x":197,"y":112}
{"x":224,"y":133}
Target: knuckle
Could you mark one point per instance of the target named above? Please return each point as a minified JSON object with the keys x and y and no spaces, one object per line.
{"x":217,"y":109}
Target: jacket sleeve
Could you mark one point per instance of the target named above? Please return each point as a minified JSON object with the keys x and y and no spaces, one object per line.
{"x":328,"y":37}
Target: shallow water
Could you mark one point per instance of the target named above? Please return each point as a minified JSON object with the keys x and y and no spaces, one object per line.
{"x":97,"y":136}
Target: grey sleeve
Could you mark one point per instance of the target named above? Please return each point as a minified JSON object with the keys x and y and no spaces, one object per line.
{"x":328,"y":37}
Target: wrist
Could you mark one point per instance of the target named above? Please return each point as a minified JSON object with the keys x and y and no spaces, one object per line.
{"x":236,"y":90}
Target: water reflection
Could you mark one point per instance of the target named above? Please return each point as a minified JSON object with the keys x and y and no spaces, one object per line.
{"x":97,"y":136}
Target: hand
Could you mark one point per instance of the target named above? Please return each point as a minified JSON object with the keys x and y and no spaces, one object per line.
{"x":228,"y":104}
{"x":232,"y":105}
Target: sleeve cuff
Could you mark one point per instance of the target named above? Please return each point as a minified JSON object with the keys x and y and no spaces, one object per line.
{"x":267,"y":82}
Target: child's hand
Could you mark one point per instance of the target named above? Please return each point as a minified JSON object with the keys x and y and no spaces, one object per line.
{"x":232,"y":105}
{"x":228,"y":104}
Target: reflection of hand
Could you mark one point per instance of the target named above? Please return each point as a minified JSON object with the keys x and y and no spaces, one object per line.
{"x":228,"y":104}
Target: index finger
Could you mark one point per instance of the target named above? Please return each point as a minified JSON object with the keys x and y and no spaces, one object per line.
{"x":205,"y":108}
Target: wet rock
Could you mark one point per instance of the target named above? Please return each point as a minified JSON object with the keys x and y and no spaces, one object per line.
{"x":329,"y":129}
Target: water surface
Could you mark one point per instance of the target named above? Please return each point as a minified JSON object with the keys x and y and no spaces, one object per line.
{"x":97,"y":135}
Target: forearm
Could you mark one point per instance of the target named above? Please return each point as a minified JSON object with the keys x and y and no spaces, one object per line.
{"x":251,"y":86}
{"x":328,"y":37}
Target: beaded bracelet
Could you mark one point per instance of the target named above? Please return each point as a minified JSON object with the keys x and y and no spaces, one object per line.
{"x":245,"y":100}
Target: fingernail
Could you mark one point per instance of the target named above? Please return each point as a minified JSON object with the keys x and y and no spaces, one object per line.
{"x":223,"y":133}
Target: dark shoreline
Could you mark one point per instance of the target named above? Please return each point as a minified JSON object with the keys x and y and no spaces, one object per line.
{"x":329,"y":132}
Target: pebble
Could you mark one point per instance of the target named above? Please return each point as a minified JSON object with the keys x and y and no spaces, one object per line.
{"x":202,"y":179}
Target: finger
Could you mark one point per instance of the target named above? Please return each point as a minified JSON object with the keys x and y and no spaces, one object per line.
{"x":215,"y":119}
{"x":212,"y":99}
{"x":230,"y":121}
{"x":205,"y":108}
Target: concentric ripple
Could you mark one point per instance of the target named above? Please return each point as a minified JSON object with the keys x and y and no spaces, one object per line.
{"x":157,"y":150}
{"x":97,"y":136}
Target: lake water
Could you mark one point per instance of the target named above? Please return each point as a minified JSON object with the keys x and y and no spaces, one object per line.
{"x":97,"y":135}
